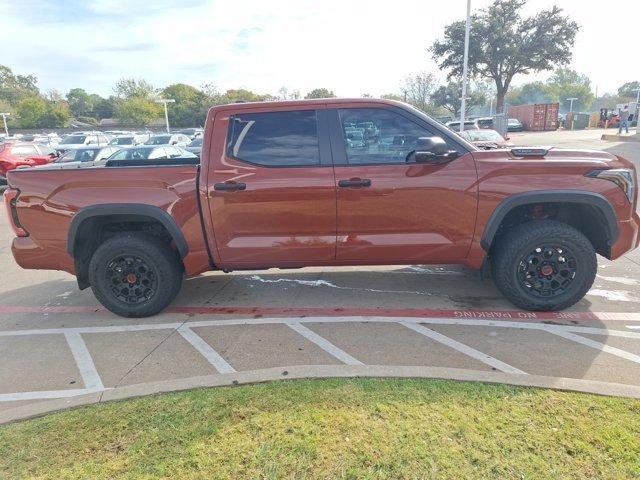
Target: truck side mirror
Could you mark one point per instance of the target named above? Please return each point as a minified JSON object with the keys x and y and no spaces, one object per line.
{"x":433,"y":150}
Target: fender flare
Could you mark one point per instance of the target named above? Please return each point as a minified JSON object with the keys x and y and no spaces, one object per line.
{"x":127,"y":209}
{"x":551,"y":196}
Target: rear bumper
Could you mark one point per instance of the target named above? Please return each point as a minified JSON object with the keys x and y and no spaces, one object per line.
{"x":628,"y":238}
{"x":28,"y":254}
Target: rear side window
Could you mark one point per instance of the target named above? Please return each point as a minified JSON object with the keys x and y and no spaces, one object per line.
{"x":275,"y":139}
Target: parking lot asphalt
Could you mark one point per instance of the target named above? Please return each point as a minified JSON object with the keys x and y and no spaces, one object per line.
{"x":59,"y":348}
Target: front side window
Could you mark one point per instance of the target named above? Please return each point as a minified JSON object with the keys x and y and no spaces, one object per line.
{"x":378,"y":136}
{"x":275,"y":139}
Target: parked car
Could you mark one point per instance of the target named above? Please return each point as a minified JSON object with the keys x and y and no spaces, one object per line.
{"x":81,"y":140}
{"x":195,"y":146}
{"x":77,"y":157}
{"x":127,"y":140}
{"x":179,"y":139}
{"x":432,"y":199}
{"x":191,"y":132}
{"x":514,"y":125}
{"x":485,"y":122}
{"x":19,"y":155}
{"x":468,"y":125}
{"x":150,"y":152}
{"x":486,"y":139}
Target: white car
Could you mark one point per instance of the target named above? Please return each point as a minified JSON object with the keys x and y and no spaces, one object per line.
{"x":82,"y":140}
{"x":123,"y":141}
{"x":177,"y":139}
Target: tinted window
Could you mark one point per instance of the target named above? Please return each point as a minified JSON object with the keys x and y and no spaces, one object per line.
{"x":73,"y":139}
{"x":379,"y":136}
{"x":275,"y":139}
{"x":159,"y":140}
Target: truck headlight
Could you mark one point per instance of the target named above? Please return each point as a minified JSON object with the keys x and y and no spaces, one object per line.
{"x":622,"y":177}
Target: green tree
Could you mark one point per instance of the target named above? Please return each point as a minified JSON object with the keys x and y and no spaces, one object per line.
{"x":449,"y":97}
{"x":393,"y":96}
{"x":566,"y":83}
{"x":629,"y":90}
{"x":56,"y":115}
{"x":137,"y":111}
{"x":503,"y":43}
{"x":103,"y":107}
{"x":80,"y":102}
{"x":31,"y":110}
{"x":417,"y":90}
{"x":14,"y":88}
{"x":132,"y":87}
{"x":320,"y":93}
{"x":187,"y":111}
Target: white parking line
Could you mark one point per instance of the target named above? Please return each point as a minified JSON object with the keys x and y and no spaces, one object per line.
{"x":90,"y":376}
{"x":597,"y":345}
{"x":46,"y":394}
{"x":213,"y":357}
{"x":324,"y":344}
{"x":462,"y":348}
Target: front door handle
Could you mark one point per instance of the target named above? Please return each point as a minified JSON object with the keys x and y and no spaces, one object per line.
{"x":355,"y":182}
{"x":230,"y":186}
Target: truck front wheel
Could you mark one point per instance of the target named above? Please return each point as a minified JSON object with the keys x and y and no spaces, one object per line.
{"x":544,"y":265}
{"x":135,"y":275}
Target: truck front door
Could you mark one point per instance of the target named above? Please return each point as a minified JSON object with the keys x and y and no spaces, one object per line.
{"x":271,"y":188}
{"x":391,"y":210}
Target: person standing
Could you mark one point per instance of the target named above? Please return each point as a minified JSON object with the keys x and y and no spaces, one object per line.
{"x":624,"y":120}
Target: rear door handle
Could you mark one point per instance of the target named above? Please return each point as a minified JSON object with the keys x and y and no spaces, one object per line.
{"x":355,"y":182}
{"x":230,"y":186}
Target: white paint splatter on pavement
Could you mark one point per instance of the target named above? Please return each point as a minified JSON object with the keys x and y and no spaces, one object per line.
{"x":623,"y":280}
{"x":614,"y":295}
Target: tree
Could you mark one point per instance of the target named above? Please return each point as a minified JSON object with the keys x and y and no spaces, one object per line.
{"x":392,"y":96}
{"x":417,"y":89}
{"x":31,"y":111}
{"x":14,"y":88}
{"x":56,"y":115}
{"x":187,"y":111}
{"x":320,"y":93}
{"x":137,"y":111}
{"x":629,"y":90}
{"x":503,"y":44}
{"x":103,"y":107}
{"x":566,"y":83}
{"x":131,"y":87}
{"x":80,"y":102}
{"x":449,"y":97}
{"x":532,"y":92}
{"x":285,"y":94}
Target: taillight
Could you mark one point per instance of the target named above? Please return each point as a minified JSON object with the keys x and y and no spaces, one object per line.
{"x":10,"y":200}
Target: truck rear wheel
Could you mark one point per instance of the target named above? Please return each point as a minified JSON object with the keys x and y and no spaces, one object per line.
{"x":544,"y":265}
{"x":135,"y":275}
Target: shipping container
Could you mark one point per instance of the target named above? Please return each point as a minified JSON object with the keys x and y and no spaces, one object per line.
{"x":537,"y":117}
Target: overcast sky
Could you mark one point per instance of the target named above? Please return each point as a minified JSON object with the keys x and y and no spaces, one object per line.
{"x":349,"y":46}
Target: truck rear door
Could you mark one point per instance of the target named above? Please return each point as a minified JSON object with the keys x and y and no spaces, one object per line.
{"x":389,"y":209}
{"x":271,"y":187}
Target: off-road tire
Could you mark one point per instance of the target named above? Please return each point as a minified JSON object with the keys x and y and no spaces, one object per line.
{"x":157,"y":255}
{"x":514,"y":246}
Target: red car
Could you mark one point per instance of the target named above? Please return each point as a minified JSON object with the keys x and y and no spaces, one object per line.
{"x":15,"y":155}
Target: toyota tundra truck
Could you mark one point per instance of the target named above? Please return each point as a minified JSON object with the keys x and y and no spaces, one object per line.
{"x":280,"y":185}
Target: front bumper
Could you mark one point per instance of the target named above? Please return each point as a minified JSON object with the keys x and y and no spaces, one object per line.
{"x":629,"y":237}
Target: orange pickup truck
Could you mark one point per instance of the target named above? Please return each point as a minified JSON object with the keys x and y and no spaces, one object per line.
{"x":327,"y":183}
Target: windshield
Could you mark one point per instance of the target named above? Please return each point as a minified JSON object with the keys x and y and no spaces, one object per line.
{"x":483,"y":136}
{"x":73,"y":139}
{"x":164,"y":140}
{"x":122,"y":141}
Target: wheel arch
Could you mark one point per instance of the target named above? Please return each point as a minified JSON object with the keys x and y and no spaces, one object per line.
{"x":84,"y":231}
{"x":591,"y":200}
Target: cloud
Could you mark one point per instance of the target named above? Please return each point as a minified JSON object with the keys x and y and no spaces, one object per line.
{"x":351,"y":47}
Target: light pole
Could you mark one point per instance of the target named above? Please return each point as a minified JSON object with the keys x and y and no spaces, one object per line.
{"x":571,"y":108}
{"x":4,"y":119}
{"x":637,"y":114}
{"x":465,"y":66}
{"x":164,"y":101}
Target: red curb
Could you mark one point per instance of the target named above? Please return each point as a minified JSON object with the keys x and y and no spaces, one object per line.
{"x":328,"y":312}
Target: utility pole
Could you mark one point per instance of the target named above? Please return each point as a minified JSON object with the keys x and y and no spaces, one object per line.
{"x":4,"y":116}
{"x":164,"y":101}
{"x":465,"y":66}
